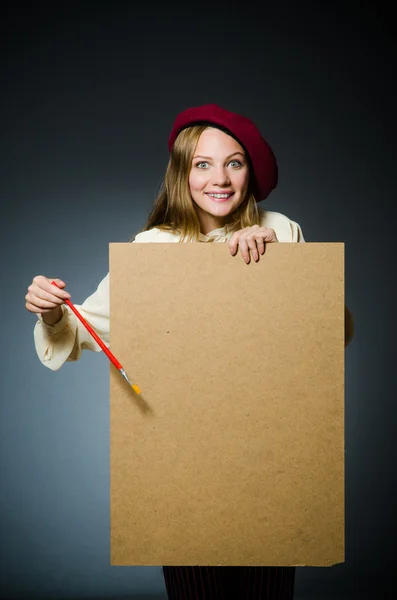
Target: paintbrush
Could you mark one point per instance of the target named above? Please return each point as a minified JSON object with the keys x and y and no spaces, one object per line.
{"x":96,"y":337}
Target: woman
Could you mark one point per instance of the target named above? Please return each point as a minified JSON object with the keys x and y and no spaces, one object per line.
{"x":219,"y":168}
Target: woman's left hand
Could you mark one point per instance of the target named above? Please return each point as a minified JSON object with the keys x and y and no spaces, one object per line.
{"x":251,"y":241}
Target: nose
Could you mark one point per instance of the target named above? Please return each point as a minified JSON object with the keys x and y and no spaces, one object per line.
{"x":220,"y":177}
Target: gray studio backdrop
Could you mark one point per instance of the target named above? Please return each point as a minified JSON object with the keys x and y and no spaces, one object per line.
{"x":88,"y":101}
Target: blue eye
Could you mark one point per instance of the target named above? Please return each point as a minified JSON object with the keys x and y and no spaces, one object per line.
{"x":204,"y":164}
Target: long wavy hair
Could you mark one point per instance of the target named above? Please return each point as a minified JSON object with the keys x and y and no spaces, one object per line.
{"x":174,"y":209}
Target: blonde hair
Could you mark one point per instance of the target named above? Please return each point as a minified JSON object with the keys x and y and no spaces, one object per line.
{"x":174,"y":210}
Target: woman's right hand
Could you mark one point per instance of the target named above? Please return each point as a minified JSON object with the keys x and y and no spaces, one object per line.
{"x":46,"y":298}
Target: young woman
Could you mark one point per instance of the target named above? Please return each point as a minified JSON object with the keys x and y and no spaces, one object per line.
{"x":219,"y":168}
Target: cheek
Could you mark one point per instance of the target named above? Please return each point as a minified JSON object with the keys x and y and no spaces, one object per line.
{"x":196,"y":181}
{"x":241,"y":180}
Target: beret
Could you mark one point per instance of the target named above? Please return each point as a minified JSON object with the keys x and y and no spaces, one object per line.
{"x":262,"y":158}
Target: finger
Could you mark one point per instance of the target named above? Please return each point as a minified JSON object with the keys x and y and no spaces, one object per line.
{"x":37,"y":293}
{"x":45,"y":283}
{"x":31,"y":308}
{"x":260,"y":244}
{"x":46,"y":290}
{"x":59,"y":282}
{"x":38,"y":305}
{"x":233,"y":243}
{"x":243,"y":247}
{"x":37,"y":310}
{"x":41,"y":303}
{"x":54,"y":286}
{"x":251,"y":242}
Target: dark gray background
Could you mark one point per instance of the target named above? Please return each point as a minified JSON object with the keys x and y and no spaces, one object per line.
{"x":89,"y":93}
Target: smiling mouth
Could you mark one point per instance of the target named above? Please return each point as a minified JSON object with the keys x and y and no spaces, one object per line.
{"x":220,"y":197}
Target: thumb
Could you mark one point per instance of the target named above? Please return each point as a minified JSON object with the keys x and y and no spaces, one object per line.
{"x":59,"y":282}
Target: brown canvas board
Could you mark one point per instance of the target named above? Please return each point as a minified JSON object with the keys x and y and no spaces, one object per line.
{"x":234,"y":452}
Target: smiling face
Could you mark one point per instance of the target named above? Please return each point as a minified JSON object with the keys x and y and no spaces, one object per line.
{"x":218,"y":179}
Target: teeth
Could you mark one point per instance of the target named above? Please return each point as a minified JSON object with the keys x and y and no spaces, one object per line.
{"x":219,"y":195}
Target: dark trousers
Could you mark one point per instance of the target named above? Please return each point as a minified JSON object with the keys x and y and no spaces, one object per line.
{"x":229,"y":583}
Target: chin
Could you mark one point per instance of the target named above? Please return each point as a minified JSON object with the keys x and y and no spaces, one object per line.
{"x":223,"y":210}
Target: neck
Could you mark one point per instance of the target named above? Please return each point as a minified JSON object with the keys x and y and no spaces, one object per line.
{"x":209,"y":222}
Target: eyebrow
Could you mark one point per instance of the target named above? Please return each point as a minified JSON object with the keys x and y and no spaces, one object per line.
{"x":230,"y":155}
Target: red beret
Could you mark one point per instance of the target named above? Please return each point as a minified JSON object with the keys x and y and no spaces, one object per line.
{"x":245,"y":131}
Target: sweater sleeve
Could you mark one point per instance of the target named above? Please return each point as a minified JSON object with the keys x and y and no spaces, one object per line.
{"x":296,"y":232}
{"x":65,"y":341}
